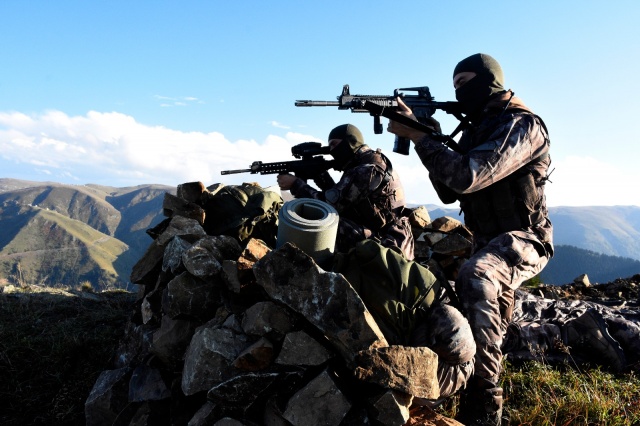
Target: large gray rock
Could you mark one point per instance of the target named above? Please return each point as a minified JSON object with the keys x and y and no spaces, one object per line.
{"x":208,"y":360}
{"x":300,"y":349}
{"x":146,"y":384}
{"x":402,"y":368}
{"x":108,"y":397}
{"x":171,"y":340}
{"x":189,"y":297}
{"x":319,"y":403}
{"x":325,"y":299}
{"x":392,"y":408}
{"x":267,"y":319}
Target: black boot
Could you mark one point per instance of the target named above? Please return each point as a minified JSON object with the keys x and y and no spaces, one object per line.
{"x":480,"y":404}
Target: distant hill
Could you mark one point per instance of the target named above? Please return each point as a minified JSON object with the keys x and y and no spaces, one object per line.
{"x":570,"y":262}
{"x":54,"y":233}
{"x":68,"y":234}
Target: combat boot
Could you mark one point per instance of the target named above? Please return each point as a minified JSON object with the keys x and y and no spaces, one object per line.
{"x":480,"y":406}
{"x":589,"y":337}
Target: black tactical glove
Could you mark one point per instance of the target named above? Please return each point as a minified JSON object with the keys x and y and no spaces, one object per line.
{"x":324,"y":181}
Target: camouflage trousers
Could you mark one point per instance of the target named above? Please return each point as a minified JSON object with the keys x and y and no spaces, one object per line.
{"x":536,"y":325}
{"x":446,"y":332}
{"x":485,"y":286}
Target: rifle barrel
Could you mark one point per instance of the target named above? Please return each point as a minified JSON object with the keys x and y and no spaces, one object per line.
{"x":230,"y":172}
{"x":317,"y":103}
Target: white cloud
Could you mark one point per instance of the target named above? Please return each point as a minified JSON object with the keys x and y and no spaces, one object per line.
{"x":279,"y":125}
{"x":114,"y":149}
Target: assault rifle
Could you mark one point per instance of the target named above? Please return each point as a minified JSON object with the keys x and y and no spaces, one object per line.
{"x":422,"y":105}
{"x":310,"y":165}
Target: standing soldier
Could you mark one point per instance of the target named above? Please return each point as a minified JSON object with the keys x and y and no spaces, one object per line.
{"x":499,"y":181}
{"x":368,"y":197}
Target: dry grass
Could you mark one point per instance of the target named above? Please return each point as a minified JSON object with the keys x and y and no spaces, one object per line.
{"x":53,"y":346}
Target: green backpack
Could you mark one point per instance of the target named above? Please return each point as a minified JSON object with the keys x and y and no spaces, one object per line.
{"x":243,"y":211}
{"x":396,"y":291}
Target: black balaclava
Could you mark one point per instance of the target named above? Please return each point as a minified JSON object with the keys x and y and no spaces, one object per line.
{"x":352,"y":140}
{"x":488,"y":81}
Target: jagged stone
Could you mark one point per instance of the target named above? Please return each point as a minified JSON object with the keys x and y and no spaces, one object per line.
{"x":189,"y":297}
{"x":171,"y":339}
{"x":189,"y":229}
{"x":453,"y":245}
{"x":319,"y":403}
{"x":201,"y":262}
{"x":257,"y":356}
{"x":272,"y":415}
{"x":230,"y":275}
{"x":209,"y":357}
{"x":254,"y":251}
{"x":190,"y":191}
{"x":392,"y":408}
{"x":445,"y":224}
{"x":172,"y":256}
{"x":583,"y":280}
{"x":135,"y":345}
{"x":300,"y":349}
{"x":267,"y":319}
{"x":147,"y":268}
{"x":432,"y":237}
{"x":146,"y":384}
{"x":402,"y":368}
{"x":419,"y":217}
{"x":204,"y":258}
{"x":205,"y":415}
{"x":173,"y":206}
{"x":242,"y":390}
{"x":151,"y":307}
{"x":222,"y":246}
{"x":108,"y":397}
{"x":325,"y":299}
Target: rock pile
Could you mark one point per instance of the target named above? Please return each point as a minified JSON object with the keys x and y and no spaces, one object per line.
{"x":228,"y":331}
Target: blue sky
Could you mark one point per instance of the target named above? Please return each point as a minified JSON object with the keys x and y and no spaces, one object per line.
{"x":130,"y":92}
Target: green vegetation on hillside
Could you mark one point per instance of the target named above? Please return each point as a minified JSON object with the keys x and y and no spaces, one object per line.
{"x":54,"y":249}
{"x":569,"y":262}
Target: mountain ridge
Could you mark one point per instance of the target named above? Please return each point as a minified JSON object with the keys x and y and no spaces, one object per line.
{"x":608,"y":236}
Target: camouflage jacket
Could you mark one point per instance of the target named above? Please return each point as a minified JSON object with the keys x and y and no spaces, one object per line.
{"x":369,"y":197}
{"x":509,"y":139}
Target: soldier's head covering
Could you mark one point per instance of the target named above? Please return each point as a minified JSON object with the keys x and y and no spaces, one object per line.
{"x":352,"y":140}
{"x":489,"y":80}
{"x":350,"y":133}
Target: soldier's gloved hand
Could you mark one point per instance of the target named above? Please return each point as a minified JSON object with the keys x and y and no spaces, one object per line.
{"x":285,"y":182}
{"x":324,"y":181}
{"x":400,"y":129}
{"x":433,"y":123}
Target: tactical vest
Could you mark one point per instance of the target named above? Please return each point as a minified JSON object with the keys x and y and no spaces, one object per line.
{"x":378,"y":209}
{"x":515,"y":202}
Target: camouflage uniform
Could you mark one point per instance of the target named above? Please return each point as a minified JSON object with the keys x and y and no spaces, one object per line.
{"x":536,"y":328}
{"x":446,"y":332}
{"x":370,"y":202}
{"x":508,"y":145}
